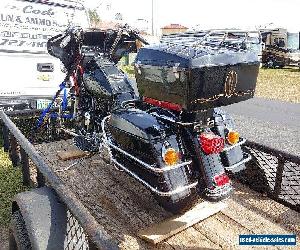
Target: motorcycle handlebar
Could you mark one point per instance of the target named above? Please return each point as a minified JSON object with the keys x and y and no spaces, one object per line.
{"x":137,"y":36}
{"x":134,"y":33}
{"x":140,"y":38}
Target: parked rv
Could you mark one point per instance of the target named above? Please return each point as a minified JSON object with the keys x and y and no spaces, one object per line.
{"x":280,"y":48}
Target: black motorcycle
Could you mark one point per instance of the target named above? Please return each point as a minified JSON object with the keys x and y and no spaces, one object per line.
{"x":171,"y":136}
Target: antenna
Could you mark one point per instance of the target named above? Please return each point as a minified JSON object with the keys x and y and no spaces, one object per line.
{"x":152,"y":27}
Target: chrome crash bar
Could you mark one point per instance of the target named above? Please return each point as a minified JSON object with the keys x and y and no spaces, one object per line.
{"x":246,"y":158}
{"x":241,"y":142}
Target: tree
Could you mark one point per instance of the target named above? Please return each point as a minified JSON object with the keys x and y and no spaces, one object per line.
{"x":94,"y":17}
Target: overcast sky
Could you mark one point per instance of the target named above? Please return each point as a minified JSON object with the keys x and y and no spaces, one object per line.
{"x":205,"y":13}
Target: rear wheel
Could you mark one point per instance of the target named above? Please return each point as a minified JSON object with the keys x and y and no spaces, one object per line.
{"x":179,"y":206}
{"x":18,"y":235}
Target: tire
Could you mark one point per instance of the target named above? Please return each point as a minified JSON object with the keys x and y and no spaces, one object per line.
{"x":271,"y":64}
{"x":18,"y":235}
{"x":180,"y":206}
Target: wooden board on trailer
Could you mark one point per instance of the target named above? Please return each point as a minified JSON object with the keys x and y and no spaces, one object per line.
{"x":158,"y":232}
{"x":71,"y":154}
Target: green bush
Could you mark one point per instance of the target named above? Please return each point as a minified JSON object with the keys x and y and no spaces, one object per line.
{"x":10,"y":185}
{"x":128,"y":69}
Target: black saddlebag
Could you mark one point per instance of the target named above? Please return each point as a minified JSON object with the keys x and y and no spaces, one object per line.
{"x":137,"y":140}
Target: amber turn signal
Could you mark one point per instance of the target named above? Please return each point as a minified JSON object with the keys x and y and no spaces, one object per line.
{"x":233,"y":137}
{"x":171,"y":157}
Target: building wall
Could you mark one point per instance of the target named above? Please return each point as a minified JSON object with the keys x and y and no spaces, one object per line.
{"x":172,"y":31}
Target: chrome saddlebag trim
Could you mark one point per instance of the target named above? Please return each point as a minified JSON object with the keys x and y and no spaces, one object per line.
{"x":178,"y":190}
{"x":146,"y":165}
{"x":153,"y":189}
{"x":241,"y":142}
{"x":149,"y":167}
{"x":247,"y":157}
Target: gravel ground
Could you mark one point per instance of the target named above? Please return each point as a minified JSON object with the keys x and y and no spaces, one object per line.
{"x":3,"y":238}
{"x":272,"y":123}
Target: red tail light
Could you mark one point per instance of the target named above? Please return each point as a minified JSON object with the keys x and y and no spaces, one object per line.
{"x":221,"y":179}
{"x":211,"y":143}
{"x":163,"y":104}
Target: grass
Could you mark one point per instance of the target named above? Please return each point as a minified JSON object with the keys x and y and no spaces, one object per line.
{"x":279,"y":84}
{"x":10,"y":184}
{"x":128,"y":69}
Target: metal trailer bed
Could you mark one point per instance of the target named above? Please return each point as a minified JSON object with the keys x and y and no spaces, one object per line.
{"x":107,"y":207}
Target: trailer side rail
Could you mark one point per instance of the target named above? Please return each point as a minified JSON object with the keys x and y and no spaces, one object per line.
{"x":97,"y":235}
{"x":274,"y":172}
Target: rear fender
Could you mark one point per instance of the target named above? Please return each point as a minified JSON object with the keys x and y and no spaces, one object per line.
{"x":208,"y":165}
{"x":45,"y":217}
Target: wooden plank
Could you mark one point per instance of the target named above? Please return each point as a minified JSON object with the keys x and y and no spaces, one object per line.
{"x":191,"y":238}
{"x":252,"y":220}
{"x":118,"y":201}
{"x":222,"y":230}
{"x":260,"y":214}
{"x":163,"y":230}
{"x":71,"y":154}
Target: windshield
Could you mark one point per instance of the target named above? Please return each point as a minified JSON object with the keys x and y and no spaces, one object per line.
{"x":26,"y":25}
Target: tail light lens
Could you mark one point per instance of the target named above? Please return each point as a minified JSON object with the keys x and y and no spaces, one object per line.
{"x":162,"y":104}
{"x":221,"y":180}
{"x":211,"y":143}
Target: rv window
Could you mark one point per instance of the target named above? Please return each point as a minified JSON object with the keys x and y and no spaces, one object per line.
{"x":279,"y":42}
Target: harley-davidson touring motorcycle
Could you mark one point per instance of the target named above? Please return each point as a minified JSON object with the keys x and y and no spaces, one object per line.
{"x":171,"y":135}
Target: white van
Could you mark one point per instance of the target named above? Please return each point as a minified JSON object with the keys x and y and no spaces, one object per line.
{"x":29,"y":76}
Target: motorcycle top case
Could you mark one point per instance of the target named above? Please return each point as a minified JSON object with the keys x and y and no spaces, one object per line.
{"x":196,"y":77}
